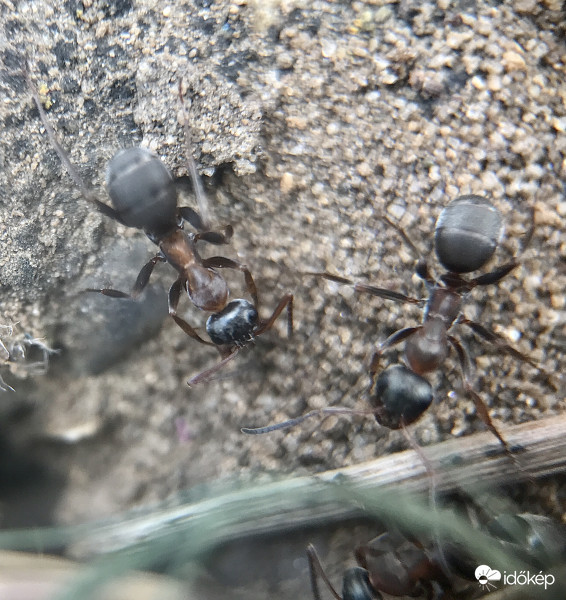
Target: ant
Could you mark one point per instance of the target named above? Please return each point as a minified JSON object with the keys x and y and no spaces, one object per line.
{"x":390,"y":563}
{"x":398,"y":565}
{"x":467,"y":233}
{"x":144,"y":196}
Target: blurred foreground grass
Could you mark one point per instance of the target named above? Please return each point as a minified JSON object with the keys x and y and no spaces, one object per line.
{"x":393,"y":490}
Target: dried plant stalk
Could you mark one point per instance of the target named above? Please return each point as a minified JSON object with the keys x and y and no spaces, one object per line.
{"x":460,"y":463}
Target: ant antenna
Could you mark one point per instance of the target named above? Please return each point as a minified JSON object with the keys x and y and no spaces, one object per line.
{"x":208,"y":375}
{"x":202,"y":200}
{"x":315,"y":567}
{"x":323,"y":412}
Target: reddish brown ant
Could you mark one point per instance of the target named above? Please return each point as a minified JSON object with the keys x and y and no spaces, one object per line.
{"x":390,"y":563}
{"x":144,"y":196}
{"x":467,"y":233}
{"x":398,"y":565}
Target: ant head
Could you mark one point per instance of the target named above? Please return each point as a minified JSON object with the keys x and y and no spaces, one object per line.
{"x":356,"y":586}
{"x":400,"y":397}
{"x":467,"y":233}
{"x":142,"y":191}
{"x":234,"y":324}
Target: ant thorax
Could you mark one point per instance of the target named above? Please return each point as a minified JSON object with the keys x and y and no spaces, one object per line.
{"x":444,"y":304}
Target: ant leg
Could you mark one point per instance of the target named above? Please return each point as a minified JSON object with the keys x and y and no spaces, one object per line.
{"x":207,"y":375}
{"x":403,"y":234}
{"x":367,"y":289}
{"x":433,"y":496}
{"x":498,"y":341}
{"x":392,"y":340}
{"x":481,"y":408}
{"x":88,"y":194}
{"x":4,"y":387}
{"x":423,"y":272}
{"x":174,"y":296}
{"x":315,"y":569}
{"x":191,"y":216}
{"x":212,"y":237}
{"x":141,"y":281}
{"x":498,"y":274}
{"x":318,"y":412}
{"x":4,"y":352}
{"x":286,"y":301}
{"x":220,"y":262}
{"x":216,"y":237}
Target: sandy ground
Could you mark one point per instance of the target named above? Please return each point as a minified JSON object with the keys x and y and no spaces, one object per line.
{"x":310,"y":122}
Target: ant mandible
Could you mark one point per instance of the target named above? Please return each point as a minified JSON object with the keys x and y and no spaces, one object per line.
{"x":467,"y":233}
{"x":144,"y":196}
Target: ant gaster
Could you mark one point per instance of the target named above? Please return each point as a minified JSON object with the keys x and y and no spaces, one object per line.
{"x":144,"y":196}
{"x":467,"y":233}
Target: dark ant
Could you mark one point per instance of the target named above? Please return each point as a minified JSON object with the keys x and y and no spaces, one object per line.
{"x":390,"y":563}
{"x":467,"y":233}
{"x":144,"y":196}
{"x":397,"y":565}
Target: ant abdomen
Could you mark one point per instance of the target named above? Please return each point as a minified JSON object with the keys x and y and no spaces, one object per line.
{"x":142,"y":191}
{"x":467,"y":233}
{"x":235,"y":324}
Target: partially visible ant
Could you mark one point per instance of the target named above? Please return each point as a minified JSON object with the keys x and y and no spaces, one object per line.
{"x":389,"y":564}
{"x":398,"y":565}
{"x":467,"y":233}
{"x":144,"y":196}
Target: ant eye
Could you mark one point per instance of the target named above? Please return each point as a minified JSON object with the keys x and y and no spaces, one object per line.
{"x":467,"y":233}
